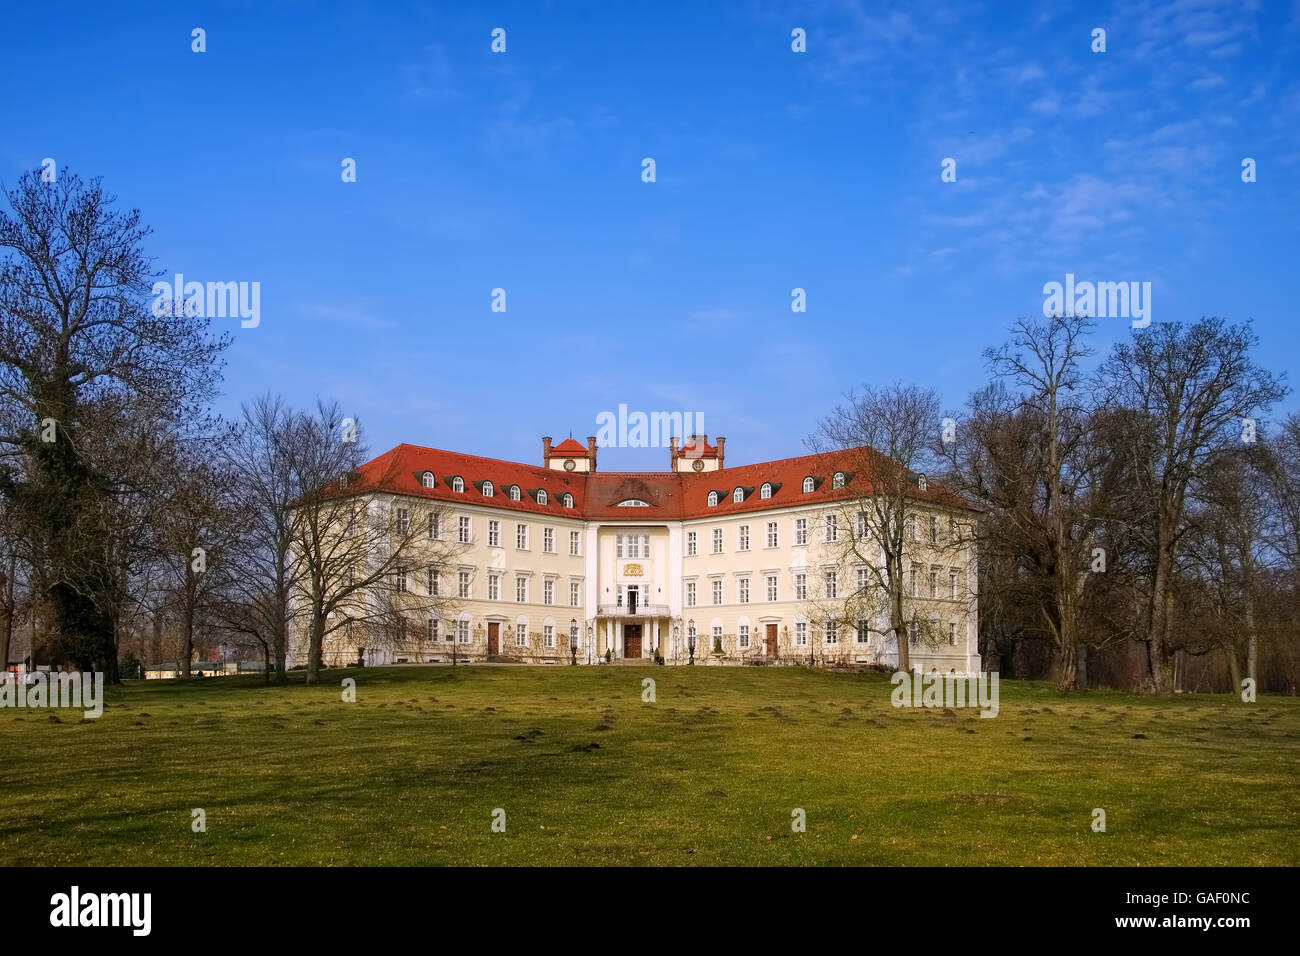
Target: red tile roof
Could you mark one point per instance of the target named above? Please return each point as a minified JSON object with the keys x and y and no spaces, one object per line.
{"x":671,"y":496}
{"x":570,"y":447}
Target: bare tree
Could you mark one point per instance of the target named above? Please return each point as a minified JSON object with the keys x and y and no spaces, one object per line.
{"x":354,"y":544}
{"x":883,"y":442}
{"x":77,"y":332}
{"x":1195,"y":384}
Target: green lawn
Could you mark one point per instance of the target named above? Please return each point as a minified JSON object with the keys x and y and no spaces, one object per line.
{"x":588,"y":774}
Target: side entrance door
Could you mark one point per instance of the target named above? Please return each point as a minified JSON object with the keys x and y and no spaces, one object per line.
{"x":494,"y":638}
{"x":769,"y":641}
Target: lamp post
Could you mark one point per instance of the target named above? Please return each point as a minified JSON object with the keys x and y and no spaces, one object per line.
{"x":573,"y":642}
{"x":591,"y":636}
{"x":690,"y":641}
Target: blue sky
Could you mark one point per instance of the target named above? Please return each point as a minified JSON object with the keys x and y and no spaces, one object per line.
{"x":775,"y":170}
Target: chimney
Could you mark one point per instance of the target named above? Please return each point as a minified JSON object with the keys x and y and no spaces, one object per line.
{"x":672,"y":452}
{"x":546,"y":451}
{"x":591,"y":451}
{"x":722,"y":443}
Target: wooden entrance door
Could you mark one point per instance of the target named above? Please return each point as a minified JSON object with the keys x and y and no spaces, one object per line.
{"x":494,"y":638}
{"x":769,"y":641}
{"x":632,"y":640}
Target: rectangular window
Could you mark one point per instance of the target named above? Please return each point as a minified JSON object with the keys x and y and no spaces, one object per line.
{"x":801,"y":633}
{"x":521,"y":635}
{"x":462,"y":632}
{"x":742,"y":636}
{"x":435,"y":527}
{"x":574,"y":596}
{"x":399,"y":580}
{"x":717,"y":592}
{"x":463,"y":584}
{"x":771,"y":587}
{"x":863,"y":579}
{"x":771,"y":534}
{"x":521,"y":537}
{"x":717,"y":540}
{"x":548,"y":635}
{"x":832,"y":529}
{"x":952,"y":633}
{"x":953,"y":535}
{"x":934,"y":529}
{"x":832,"y":584}
{"x":801,"y":531}
{"x":952,"y":585}
{"x":434,"y":584}
{"x":548,"y":591}
{"x":913,"y":576}
{"x":863,"y":529}
{"x":742,"y":591}
{"x":403,"y":520}
{"x":832,"y":632}
{"x":864,"y":632}
{"x":913,"y":528}
{"x":742,"y":538}
{"x":717,"y":637}
{"x":801,"y":587}
{"x":521,"y":589}
{"x":575,"y":543}
{"x":690,"y":544}
{"x":494,"y":534}
{"x":548,"y":540}
{"x":913,"y":633}
{"x":934,"y":582}
{"x":431,"y":630}
{"x":494,"y":587}
{"x":463,"y":530}
{"x":690,"y":594}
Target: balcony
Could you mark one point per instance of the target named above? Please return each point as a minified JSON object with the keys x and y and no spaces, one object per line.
{"x":642,"y":610}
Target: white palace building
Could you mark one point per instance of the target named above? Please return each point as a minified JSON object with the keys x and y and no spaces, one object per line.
{"x":760,"y":563}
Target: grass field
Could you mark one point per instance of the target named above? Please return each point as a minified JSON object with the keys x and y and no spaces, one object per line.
{"x":588,"y":774}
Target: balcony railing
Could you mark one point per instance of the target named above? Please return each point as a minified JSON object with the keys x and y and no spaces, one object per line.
{"x":642,"y":610}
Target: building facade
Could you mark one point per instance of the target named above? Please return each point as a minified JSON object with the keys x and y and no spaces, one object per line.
{"x":766,"y":563}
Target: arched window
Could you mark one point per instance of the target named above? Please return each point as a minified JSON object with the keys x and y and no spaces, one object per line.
{"x":713,"y":499}
{"x":807,"y":486}
{"x":488,"y":490}
{"x":457,"y":484}
{"x":426,"y":479}
{"x":514,"y":492}
{"x":921,"y":482}
{"x":568,"y":500}
{"x":766,"y":490}
{"x":838,"y":480}
{"x":738,"y":495}
{"x":541,"y":497}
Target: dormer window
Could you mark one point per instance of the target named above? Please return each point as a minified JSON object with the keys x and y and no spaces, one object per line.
{"x":514,"y":492}
{"x":488,"y":490}
{"x":766,"y":490}
{"x":838,"y":480}
{"x":343,"y":481}
{"x":426,"y":479}
{"x":541,"y":496}
{"x":567,"y":500}
{"x":713,"y":499}
{"x":808,"y":486}
{"x":738,"y":495}
{"x":458,"y":484}
{"x":921,"y":483}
